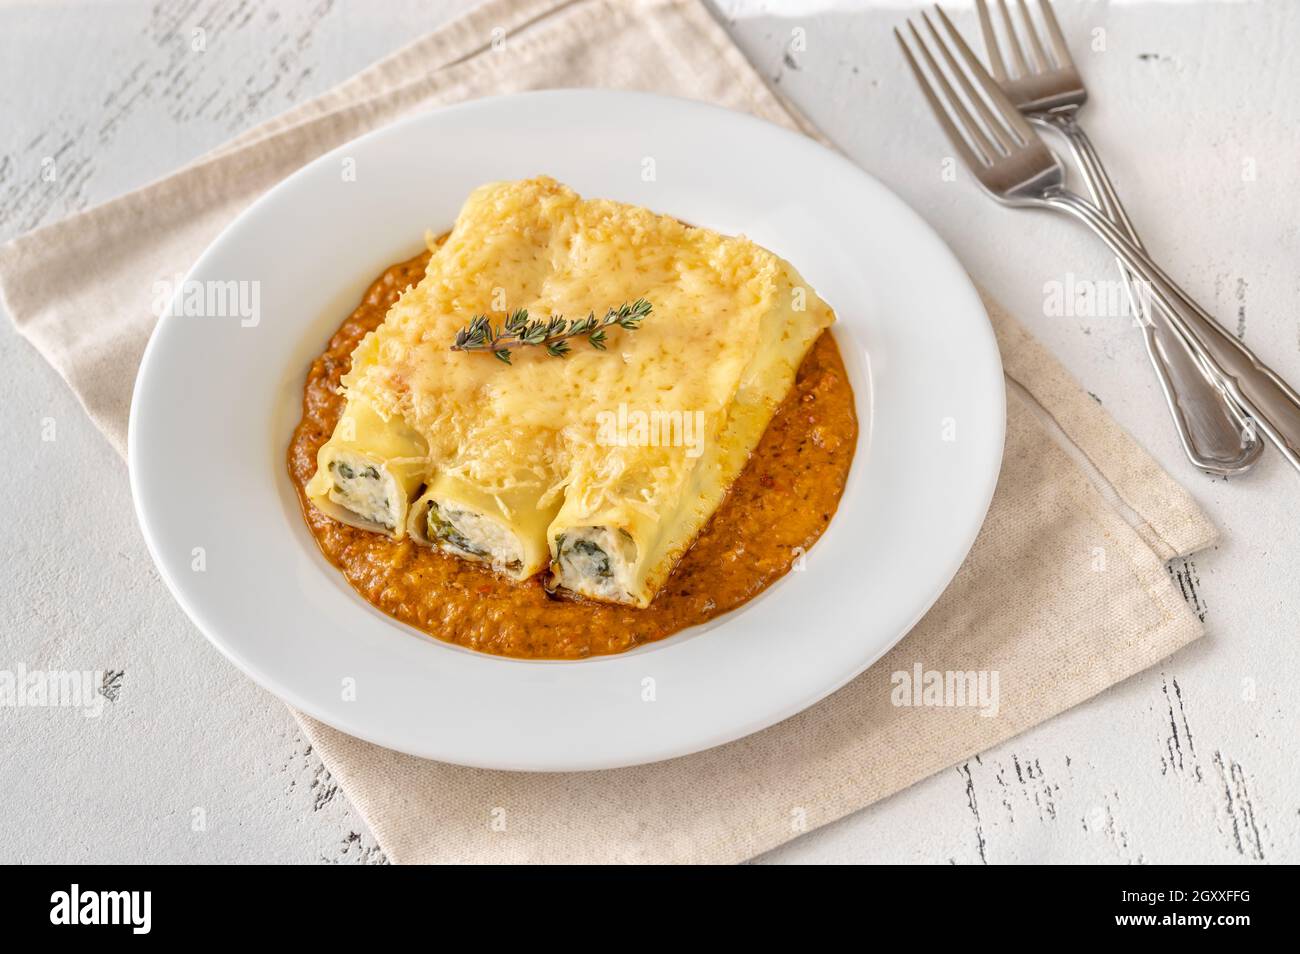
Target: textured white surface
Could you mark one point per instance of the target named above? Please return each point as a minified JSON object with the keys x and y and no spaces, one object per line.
{"x":1193,"y":107}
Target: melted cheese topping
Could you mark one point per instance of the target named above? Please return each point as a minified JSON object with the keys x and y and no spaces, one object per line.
{"x":536,"y":245}
{"x":532,"y":432}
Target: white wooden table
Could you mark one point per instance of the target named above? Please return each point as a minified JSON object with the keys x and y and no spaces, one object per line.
{"x":1194,"y":108}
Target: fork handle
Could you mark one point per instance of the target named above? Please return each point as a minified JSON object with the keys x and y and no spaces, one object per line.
{"x":1268,"y":400}
{"x":1210,"y":424}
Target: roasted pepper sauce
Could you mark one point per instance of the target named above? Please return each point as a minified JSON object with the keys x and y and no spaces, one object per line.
{"x":776,"y":510}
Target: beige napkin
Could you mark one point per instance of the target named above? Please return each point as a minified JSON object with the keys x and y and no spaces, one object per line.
{"x":1064,"y":594}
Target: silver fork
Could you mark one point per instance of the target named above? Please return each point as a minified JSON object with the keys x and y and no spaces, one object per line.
{"x":1049,"y":91}
{"x":1013,"y":164}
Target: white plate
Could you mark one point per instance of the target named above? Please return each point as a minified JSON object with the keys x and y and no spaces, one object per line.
{"x":217,"y":400}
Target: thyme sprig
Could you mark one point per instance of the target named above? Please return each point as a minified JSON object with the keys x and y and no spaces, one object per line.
{"x":553,"y":333}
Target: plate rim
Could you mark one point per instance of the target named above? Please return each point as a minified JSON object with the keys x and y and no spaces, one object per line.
{"x":336,"y":718}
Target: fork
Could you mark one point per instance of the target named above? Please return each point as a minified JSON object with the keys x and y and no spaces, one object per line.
{"x":1013,"y":164}
{"x":1050,"y":92}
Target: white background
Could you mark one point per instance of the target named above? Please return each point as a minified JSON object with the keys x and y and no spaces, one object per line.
{"x":1194,"y":107}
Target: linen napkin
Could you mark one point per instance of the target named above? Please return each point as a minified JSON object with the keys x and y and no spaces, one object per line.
{"x":1064,"y":593}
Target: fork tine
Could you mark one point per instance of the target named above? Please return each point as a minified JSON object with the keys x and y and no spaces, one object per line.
{"x":974,"y":134}
{"x":1005,"y":140}
{"x":968,"y":155}
{"x":1055,"y":36}
{"x":1013,"y":42}
{"x":1036,"y":51}
{"x":993,"y":94}
{"x":991,"y":42}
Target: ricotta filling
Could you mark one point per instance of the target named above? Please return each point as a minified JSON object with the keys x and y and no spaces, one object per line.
{"x":474,"y":536}
{"x":364,"y":487}
{"x":597,"y":562}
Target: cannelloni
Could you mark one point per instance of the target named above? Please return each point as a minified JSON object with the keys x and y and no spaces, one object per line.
{"x":604,"y":462}
{"x":368,"y":471}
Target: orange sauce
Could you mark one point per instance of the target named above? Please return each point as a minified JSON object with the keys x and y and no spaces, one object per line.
{"x":775,"y":511}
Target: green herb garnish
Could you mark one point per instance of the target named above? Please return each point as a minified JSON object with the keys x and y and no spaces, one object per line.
{"x":551,"y":333}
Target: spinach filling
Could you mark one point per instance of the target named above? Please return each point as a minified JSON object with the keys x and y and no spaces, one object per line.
{"x":344,"y":470}
{"x":445,"y":530}
{"x":347,"y":472}
{"x":597,"y":557}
